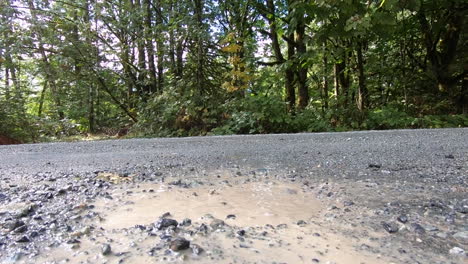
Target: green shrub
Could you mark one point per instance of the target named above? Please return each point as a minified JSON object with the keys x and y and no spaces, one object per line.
{"x":256,"y":115}
{"x":440,"y":121}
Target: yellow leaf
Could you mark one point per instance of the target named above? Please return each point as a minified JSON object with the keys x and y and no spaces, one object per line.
{"x":232,"y":48}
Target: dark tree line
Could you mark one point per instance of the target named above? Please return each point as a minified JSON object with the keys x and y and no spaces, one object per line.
{"x":168,"y":67}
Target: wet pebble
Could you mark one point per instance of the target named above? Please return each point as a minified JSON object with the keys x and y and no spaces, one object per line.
{"x":231,"y":216}
{"x":196,"y":249}
{"x":457,"y":251}
{"x":417,"y":228}
{"x":462,"y":236}
{"x":165,"y":223}
{"x":179,"y":244}
{"x":16,"y":257}
{"x":73,"y":241}
{"x":402,"y":219}
{"x":282,"y":226}
{"x":202,"y":229}
{"x":390,"y":227}
{"x":217,"y":224}
{"x":376,"y":166}
{"x":186,"y":222}
{"x":301,"y":223}
{"x":23,"y":239}
{"x":431,"y":228}
{"x":106,"y":249}
{"x":20,"y":229}
{"x":166,"y":214}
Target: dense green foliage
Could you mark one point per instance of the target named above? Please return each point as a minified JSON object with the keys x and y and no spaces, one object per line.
{"x":201,"y":67}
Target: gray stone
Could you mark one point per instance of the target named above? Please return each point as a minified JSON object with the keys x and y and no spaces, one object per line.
{"x":186,"y":222}
{"x":390,"y":227}
{"x":457,"y":251}
{"x":16,"y":257}
{"x":301,"y":223}
{"x":402,"y":218}
{"x":106,"y":249}
{"x":217,"y":224}
{"x":417,"y":228}
{"x":196,"y":249}
{"x":23,"y":239}
{"x":165,"y":223}
{"x":179,"y":244}
{"x":462,"y":236}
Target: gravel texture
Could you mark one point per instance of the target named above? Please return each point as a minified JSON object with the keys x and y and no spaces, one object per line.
{"x":407,"y":186}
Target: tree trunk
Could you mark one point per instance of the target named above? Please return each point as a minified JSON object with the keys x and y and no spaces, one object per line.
{"x":7,"y":83}
{"x":274,"y":32}
{"x":140,"y":40}
{"x":303,"y":89}
{"x":362,"y":88}
{"x":289,"y":77}
{"x":41,"y":99}
{"x":336,"y":78}
{"x":126,"y":57}
{"x":341,"y":83}
{"x":325,"y":82}
{"x":441,"y":48}
{"x":344,"y":81}
{"x":12,"y":72}
{"x":50,"y":75}
{"x":160,"y":46}
{"x":463,"y":98}
{"x":180,"y":59}
{"x":94,"y":61}
{"x":171,"y":51}
{"x":290,"y":72}
{"x":200,"y":53}
{"x":150,"y":48}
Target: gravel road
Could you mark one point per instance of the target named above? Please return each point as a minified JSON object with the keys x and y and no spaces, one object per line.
{"x":378,"y":197}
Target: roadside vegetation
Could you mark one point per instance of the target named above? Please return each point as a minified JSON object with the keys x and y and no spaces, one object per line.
{"x":94,"y":69}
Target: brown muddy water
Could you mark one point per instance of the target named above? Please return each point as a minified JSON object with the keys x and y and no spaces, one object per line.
{"x":279,"y":222}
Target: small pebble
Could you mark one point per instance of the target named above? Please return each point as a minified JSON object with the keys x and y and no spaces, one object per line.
{"x":457,"y":251}
{"x":196,"y":249}
{"x":23,"y":239}
{"x":106,"y":249}
{"x":165,"y":223}
{"x":231,"y":216}
{"x":402,"y":219}
{"x":390,"y":227}
{"x":179,"y":244}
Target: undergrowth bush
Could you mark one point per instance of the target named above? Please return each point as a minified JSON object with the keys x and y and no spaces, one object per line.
{"x":190,"y":116}
{"x":388,"y":117}
{"x":15,"y":123}
{"x":255,"y":115}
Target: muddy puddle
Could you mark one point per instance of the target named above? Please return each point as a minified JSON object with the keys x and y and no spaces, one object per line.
{"x":267,"y":221}
{"x":251,"y":204}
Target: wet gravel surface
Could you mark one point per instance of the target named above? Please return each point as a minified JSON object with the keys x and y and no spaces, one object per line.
{"x":409,"y":187}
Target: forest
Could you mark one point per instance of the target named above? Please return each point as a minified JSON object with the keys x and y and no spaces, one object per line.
{"x":75,"y":68}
